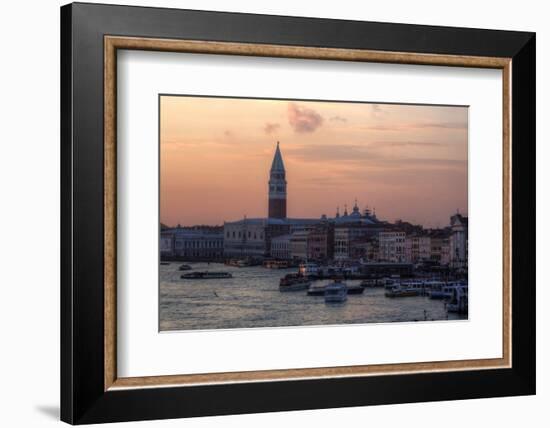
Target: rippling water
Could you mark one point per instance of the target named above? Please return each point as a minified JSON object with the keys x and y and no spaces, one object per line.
{"x":252,"y":299}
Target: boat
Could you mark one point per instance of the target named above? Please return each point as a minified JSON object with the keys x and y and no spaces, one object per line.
{"x":294,"y":282}
{"x":336,"y":292}
{"x":459,"y":300}
{"x":356,"y":289}
{"x":401,"y":292}
{"x":389,"y":283}
{"x":185,"y":267}
{"x":164,"y":263}
{"x":238,"y":262}
{"x":308,"y":269}
{"x":276,"y":264}
{"x":316,"y":290}
{"x":206,"y":275}
{"x":441,"y":291}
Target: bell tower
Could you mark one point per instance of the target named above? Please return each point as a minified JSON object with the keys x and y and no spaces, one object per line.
{"x":277,"y":186}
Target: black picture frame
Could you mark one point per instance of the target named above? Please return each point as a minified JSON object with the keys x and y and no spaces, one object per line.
{"x":83,"y":398}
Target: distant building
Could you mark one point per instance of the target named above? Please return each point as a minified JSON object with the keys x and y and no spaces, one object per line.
{"x":245,"y":238}
{"x":280,"y":247}
{"x":299,"y":245}
{"x":320,"y":242}
{"x":251,"y":237}
{"x":364,"y":248}
{"x":417,"y":248}
{"x":439,"y":246}
{"x":459,"y":242}
{"x":192,"y":243}
{"x":347,"y":233}
{"x":166,"y":242}
{"x":392,"y":246}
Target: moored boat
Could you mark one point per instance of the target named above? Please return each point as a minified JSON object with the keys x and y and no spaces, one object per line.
{"x":336,"y":292}
{"x":316,"y":290}
{"x":184,"y":267}
{"x":356,"y":289}
{"x":441,"y":291}
{"x":276,"y":264}
{"x":206,"y":275}
{"x":294,"y":282}
{"x":164,"y":263}
{"x":308,"y":269}
{"x":238,"y":262}
{"x":401,"y":292}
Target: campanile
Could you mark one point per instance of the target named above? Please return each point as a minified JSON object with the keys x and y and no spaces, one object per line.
{"x":277,"y":186}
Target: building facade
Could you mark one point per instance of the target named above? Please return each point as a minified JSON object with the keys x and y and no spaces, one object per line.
{"x":348,"y":235}
{"x":320,"y":243}
{"x":365,"y":248}
{"x":459,"y":242}
{"x":245,"y":238}
{"x":280,"y":247}
{"x":417,"y":248}
{"x":192,"y":243}
{"x":298,"y":245}
{"x":391,"y":246}
{"x":439,"y":247}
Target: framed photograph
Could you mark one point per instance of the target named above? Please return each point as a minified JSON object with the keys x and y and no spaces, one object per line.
{"x":266,"y":213}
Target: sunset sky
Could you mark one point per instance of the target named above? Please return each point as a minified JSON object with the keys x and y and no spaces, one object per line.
{"x":409,"y":162}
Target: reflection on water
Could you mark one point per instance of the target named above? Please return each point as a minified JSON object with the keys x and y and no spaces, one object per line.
{"x":252,"y":299}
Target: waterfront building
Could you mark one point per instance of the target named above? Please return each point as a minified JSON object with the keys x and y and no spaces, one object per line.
{"x":439,"y":246}
{"x":192,"y":243}
{"x":320,"y":242}
{"x":251,"y":237}
{"x":392,"y":246}
{"x":459,"y":242}
{"x":417,"y":248}
{"x":166,"y":242}
{"x":277,"y":186}
{"x":280,"y":247}
{"x":365,"y":248}
{"x":345,"y":234}
{"x":445,"y":252}
{"x":299,"y":245}
{"x":245,"y":238}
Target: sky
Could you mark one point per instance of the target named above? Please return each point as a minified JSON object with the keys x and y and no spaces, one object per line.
{"x":409,"y":162}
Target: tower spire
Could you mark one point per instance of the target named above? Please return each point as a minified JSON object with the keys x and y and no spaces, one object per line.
{"x":277,"y":186}
{"x":277,"y":165}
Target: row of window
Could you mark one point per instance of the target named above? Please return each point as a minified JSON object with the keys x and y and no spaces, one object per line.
{"x":242,"y":235}
{"x":199,"y":244}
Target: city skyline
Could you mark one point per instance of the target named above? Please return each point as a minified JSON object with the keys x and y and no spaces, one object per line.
{"x":407,"y":161}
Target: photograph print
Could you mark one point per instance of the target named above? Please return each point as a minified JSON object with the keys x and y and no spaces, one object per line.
{"x":288,"y":213}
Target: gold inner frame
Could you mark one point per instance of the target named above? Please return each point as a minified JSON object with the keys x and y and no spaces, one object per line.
{"x":113,"y":43}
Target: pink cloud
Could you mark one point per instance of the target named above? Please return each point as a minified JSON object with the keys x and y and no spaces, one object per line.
{"x":303,"y":119}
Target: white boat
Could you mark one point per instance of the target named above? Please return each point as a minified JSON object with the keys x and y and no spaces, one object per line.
{"x":336,"y":292}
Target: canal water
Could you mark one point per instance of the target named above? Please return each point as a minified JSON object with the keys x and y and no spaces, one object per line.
{"x":252,"y":299}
